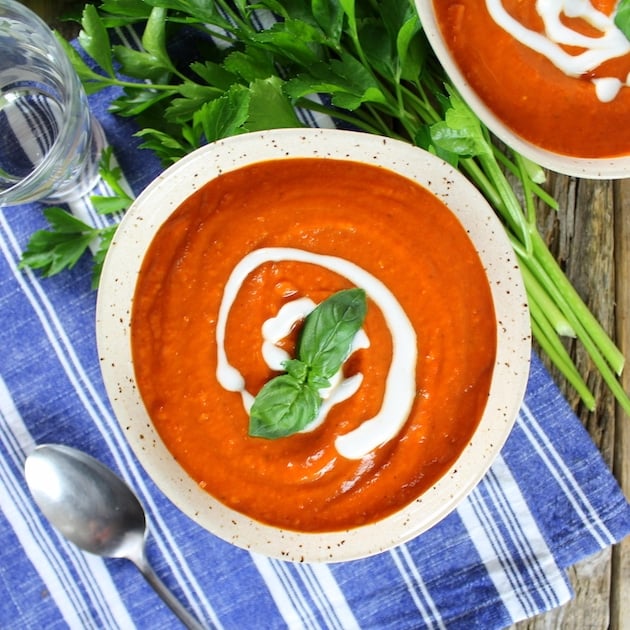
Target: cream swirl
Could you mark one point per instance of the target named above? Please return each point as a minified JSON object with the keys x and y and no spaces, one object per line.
{"x":400,"y":386}
{"x":608,"y":44}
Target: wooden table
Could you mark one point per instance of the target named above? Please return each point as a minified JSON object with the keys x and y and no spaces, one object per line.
{"x":590,"y":236}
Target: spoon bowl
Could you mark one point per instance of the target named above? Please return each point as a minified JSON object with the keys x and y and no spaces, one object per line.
{"x":85,"y":501}
{"x":94,"y":509}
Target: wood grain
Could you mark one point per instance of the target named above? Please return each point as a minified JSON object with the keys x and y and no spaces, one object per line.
{"x":620,"y":596}
{"x":590,"y":237}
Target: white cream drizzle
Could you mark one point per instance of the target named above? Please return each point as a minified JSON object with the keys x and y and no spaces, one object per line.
{"x":610,"y":44}
{"x":276,"y":328}
{"x":400,"y":386}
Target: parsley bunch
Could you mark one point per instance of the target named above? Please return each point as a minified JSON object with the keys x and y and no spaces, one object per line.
{"x":208,"y":69}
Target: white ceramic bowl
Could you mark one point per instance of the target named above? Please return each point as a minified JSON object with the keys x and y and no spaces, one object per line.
{"x":598,"y":168}
{"x":116,"y":295}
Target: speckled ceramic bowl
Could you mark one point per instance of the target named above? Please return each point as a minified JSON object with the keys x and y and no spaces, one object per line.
{"x":593,"y":168}
{"x":511,"y":370}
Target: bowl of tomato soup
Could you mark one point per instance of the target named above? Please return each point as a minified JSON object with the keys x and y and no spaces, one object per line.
{"x":206,"y":295}
{"x":551,"y":79}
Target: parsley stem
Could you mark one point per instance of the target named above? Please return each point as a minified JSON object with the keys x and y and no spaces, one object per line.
{"x":359,"y":121}
{"x":553,"y":348}
{"x":511,"y":167}
{"x":236,"y":18}
{"x":600,"y":348}
{"x":480,"y":179}
{"x":564,"y":294}
{"x":104,"y":82}
{"x":420,"y":104}
{"x":512,"y":211}
{"x":353,"y":60}
{"x":536,"y":293}
{"x":526,"y":184}
{"x":385,"y":127}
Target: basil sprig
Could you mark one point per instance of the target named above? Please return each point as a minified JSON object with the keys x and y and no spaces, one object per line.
{"x":289,"y":402}
{"x":622,"y":17}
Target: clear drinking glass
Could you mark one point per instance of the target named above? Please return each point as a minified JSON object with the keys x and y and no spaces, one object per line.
{"x":50,"y":143}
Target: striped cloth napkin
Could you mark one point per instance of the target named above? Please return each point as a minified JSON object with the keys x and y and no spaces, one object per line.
{"x":547,"y":502}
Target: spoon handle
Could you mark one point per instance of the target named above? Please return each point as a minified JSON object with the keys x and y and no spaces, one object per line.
{"x":167,"y":597}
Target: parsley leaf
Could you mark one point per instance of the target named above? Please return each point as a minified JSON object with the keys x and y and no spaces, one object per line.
{"x":105,"y":238}
{"x":68,"y":238}
{"x":60,"y":247}
{"x":94,"y":39}
{"x":367,"y":64}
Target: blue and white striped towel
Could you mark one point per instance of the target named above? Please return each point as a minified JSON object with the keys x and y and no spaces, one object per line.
{"x":546,"y":503}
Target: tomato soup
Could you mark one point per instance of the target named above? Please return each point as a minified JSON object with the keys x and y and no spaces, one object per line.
{"x":559,"y":82}
{"x":254,"y":240}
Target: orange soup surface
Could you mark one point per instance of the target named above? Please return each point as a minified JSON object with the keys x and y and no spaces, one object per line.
{"x":385,"y":225}
{"x":530,"y":94}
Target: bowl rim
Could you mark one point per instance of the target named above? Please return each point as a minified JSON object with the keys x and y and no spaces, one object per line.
{"x":616,"y":167}
{"x":113,"y":315}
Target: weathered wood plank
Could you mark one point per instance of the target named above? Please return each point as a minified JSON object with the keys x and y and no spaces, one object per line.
{"x":620,"y":596}
{"x":582,"y":237}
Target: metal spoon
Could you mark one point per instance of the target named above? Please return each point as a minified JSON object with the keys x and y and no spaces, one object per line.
{"x":96,"y":510}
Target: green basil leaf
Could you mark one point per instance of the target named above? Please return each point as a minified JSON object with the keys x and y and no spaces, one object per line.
{"x":328,"y":331}
{"x":288,"y":403}
{"x":317,"y":382}
{"x":297,"y":369}
{"x":282,"y":407}
{"x":622,"y":17}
